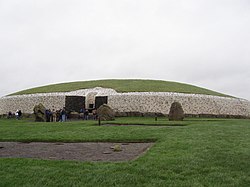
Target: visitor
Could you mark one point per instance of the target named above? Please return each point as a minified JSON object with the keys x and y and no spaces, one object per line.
{"x":9,"y":115}
{"x":50,"y":116}
{"x":17,"y":115}
{"x":53,"y":115}
{"x":20,"y":114}
{"x":94,"y":112}
{"x":47,"y":114}
{"x":82,"y":112}
{"x":59,"y":115}
{"x":86,"y":114}
{"x":63,"y":114}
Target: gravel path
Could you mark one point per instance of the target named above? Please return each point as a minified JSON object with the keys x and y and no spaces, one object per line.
{"x":73,"y":151}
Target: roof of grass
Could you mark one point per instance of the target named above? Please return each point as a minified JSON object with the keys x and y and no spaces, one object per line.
{"x":123,"y":85}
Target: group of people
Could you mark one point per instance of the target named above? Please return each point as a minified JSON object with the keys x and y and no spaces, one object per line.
{"x":84,"y":114}
{"x":55,"y":115}
{"x":59,"y":115}
{"x":17,"y":114}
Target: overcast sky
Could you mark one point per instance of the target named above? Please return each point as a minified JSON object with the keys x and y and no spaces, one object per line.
{"x":201,"y":42}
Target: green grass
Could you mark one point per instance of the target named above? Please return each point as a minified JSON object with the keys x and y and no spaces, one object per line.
{"x":202,"y":152}
{"x":126,"y":85}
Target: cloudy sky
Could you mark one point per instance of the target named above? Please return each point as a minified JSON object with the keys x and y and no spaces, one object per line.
{"x":200,"y":42}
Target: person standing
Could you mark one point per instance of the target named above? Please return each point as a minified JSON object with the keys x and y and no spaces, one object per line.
{"x":86,"y":114}
{"x":53,"y":115}
{"x":94,"y":112}
{"x":9,"y":115}
{"x":16,"y":114}
{"x":47,"y":114}
{"x":63,"y":113}
{"x":19,"y":114}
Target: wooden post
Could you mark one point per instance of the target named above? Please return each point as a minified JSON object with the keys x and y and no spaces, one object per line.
{"x":99,"y":121}
{"x":155,"y":117}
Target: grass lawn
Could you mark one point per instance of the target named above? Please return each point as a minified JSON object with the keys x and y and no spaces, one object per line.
{"x":195,"y":152}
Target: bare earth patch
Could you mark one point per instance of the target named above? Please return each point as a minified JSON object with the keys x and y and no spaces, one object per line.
{"x":94,"y":151}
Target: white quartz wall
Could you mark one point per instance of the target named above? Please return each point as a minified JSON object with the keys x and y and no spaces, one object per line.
{"x":144,"y":102}
{"x":192,"y":104}
{"x":51,"y":101}
{"x":27,"y":103}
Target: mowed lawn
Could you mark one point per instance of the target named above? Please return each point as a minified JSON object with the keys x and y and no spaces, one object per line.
{"x":195,"y":152}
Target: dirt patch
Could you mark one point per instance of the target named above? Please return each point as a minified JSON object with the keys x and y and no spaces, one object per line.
{"x":147,"y":125}
{"x":74,"y":151}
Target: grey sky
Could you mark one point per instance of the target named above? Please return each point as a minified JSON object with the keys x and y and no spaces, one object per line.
{"x":200,"y":42}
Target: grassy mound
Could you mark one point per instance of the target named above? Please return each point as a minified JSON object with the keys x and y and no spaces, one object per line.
{"x":126,"y":85}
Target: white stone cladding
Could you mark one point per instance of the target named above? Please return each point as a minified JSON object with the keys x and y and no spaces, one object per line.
{"x":26,"y":103}
{"x":191,"y":103}
{"x":144,"y":102}
{"x":99,"y":90}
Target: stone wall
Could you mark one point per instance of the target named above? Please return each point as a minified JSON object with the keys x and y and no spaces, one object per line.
{"x":54,"y":100}
{"x":140,"y":102}
{"x":191,"y":103}
{"x":26,"y":103}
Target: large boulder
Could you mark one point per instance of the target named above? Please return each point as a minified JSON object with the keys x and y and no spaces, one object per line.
{"x":105,"y":113}
{"x":176,"y":112}
{"x":39,"y":111}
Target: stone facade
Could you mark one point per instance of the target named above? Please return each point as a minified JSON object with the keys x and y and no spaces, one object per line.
{"x":192,"y":103}
{"x":142,"y":102}
{"x":26,"y":103}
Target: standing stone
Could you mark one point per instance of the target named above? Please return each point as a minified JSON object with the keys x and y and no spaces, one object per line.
{"x":176,"y":112}
{"x":39,"y":111}
{"x":105,"y":113}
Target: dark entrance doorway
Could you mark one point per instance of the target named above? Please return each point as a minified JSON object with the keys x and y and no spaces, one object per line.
{"x":74,"y":103}
{"x":100,"y":100}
